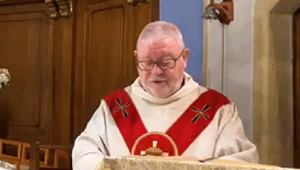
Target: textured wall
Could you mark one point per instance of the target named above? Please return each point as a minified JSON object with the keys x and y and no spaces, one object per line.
{"x":272,"y":83}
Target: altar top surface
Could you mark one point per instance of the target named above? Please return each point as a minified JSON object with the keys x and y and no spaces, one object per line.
{"x":143,"y":163}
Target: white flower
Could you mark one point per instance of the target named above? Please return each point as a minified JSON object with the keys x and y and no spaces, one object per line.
{"x":4,"y":77}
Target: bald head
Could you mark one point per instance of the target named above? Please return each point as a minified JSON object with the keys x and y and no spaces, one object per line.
{"x":159,"y":30}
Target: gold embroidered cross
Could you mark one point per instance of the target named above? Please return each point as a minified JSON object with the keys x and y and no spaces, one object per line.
{"x":200,"y":113}
{"x":122,"y":107}
{"x":154,"y":151}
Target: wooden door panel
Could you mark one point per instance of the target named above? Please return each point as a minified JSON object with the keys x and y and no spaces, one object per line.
{"x":25,"y":50}
{"x":105,"y":56}
{"x":107,"y":31}
{"x":62,"y":68}
{"x":101,"y":59}
{"x":23,"y":64}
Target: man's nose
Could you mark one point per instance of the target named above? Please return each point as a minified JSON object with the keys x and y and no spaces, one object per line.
{"x":156,"y":69}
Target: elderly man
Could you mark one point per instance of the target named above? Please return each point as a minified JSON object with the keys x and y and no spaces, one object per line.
{"x":164,"y":112}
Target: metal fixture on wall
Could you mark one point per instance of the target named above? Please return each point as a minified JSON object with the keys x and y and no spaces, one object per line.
{"x":222,"y":11}
{"x":137,"y":2}
{"x":59,"y":8}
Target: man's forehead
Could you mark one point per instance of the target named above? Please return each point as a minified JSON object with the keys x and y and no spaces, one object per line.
{"x":156,"y":41}
{"x":164,"y":45}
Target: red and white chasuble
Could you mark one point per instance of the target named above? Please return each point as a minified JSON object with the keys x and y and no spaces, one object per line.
{"x":178,"y":137}
{"x":194,"y":122}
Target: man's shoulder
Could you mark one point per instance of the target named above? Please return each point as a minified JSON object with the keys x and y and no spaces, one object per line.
{"x":119,"y":93}
{"x":214,"y":95}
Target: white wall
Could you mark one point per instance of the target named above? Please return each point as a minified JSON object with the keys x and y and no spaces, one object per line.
{"x":230,"y":59}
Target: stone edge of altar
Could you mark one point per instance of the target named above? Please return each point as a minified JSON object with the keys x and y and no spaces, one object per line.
{"x":152,"y":163}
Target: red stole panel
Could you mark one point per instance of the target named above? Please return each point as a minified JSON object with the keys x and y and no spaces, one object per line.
{"x":182,"y":133}
{"x":126,"y":116}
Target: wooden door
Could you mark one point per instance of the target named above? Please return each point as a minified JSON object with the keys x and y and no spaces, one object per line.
{"x":37,"y":51}
{"x":61,"y":68}
{"x":26,"y":40}
{"x":296,"y":93}
{"x":107,"y":31}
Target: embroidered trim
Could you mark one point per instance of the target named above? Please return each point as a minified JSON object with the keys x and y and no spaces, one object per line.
{"x":122,"y":107}
{"x":175,"y":148}
{"x":200,"y":113}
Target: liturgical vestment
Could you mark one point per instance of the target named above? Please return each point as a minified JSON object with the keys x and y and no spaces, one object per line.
{"x":193,"y":122}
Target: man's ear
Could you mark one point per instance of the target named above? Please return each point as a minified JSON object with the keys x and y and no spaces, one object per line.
{"x":185,"y":54}
{"x":135,"y":53}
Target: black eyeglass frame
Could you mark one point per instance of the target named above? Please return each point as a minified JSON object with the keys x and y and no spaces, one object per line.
{"x":159,"y":63}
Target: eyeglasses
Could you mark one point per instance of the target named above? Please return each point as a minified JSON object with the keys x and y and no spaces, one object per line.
{"x":163,"y":64}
